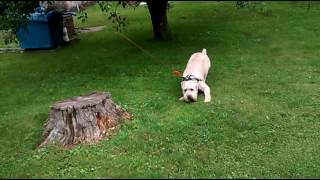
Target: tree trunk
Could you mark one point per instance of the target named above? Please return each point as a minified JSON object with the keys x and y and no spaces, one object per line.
{"x":158,"y":13}
{"x":82,"y":119}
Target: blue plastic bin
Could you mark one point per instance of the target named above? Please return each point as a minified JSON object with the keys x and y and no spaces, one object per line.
{"x":43,"y":31}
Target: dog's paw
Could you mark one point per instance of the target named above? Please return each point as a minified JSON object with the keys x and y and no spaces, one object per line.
{"x":181,"y":99}
{"x":207,"y":100}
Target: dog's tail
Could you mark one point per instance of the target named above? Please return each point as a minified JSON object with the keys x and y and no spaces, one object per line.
{"x":204,"y":51}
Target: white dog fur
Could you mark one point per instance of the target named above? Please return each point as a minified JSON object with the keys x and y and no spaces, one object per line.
{"x":198,"y":67}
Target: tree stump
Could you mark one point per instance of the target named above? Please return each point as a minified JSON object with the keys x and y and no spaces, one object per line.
{"x":82,"y":119}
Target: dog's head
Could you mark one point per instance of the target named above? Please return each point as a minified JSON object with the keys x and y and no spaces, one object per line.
{"x":189,"y":90}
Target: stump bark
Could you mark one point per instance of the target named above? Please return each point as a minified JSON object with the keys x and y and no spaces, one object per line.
{"x":82,"y":119}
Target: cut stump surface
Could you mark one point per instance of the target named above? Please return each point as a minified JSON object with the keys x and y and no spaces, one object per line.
{"x":82,"y":119}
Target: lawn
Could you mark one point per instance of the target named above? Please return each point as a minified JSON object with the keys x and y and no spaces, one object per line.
{"x":263,"y":121}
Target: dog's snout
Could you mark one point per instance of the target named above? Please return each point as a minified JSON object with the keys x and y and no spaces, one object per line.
{"x":190,"y":98}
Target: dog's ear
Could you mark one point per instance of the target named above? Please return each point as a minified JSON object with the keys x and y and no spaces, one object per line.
{"x":183,"y":84}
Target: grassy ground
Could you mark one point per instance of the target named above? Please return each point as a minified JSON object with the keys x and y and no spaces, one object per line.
{"x":263,"y":121}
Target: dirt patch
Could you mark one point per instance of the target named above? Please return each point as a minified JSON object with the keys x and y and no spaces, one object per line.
{"x":292,"y":55}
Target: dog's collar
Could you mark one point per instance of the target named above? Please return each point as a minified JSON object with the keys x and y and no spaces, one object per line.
{"x":190,"y":77}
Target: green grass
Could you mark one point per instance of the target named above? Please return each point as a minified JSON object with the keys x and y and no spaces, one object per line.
{"x":263,"y":121}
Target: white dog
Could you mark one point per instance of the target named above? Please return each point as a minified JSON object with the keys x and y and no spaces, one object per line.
{"x":194,"y":77}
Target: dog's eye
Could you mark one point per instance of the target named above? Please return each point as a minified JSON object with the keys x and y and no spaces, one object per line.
{"x":185,"y":90}
{"x":191,"y":89}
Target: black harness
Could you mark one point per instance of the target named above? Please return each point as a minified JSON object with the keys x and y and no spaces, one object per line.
{"x":190,"y":77}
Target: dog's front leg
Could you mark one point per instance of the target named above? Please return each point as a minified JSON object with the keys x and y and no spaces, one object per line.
{"x":206,"y":89}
